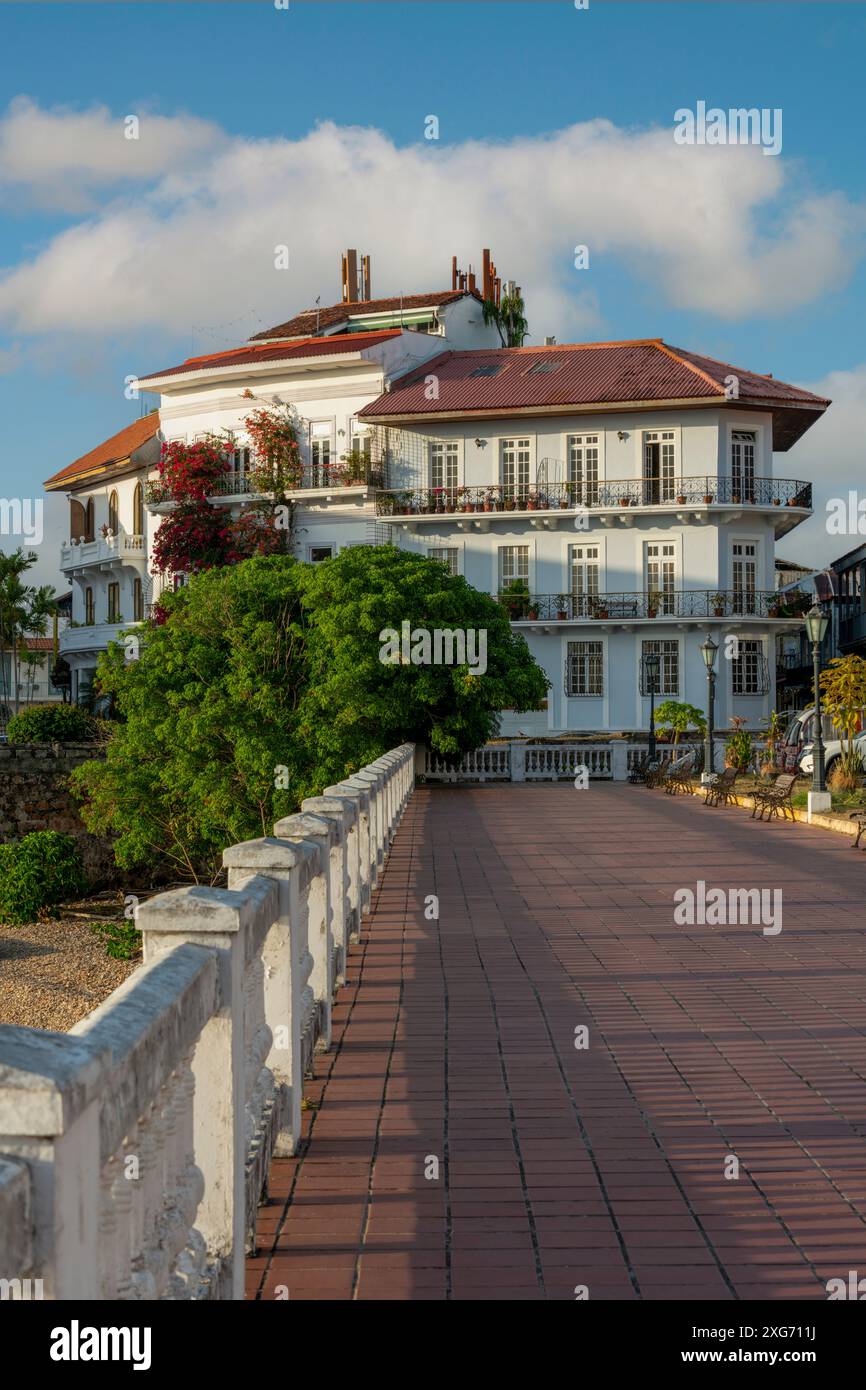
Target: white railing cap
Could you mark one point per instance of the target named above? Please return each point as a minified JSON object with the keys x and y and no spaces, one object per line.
{"x":268,"y":852}
{"x":361,"y":794}
{"x":46,"y":1080}
{"x":217,"y":910}
{"x":304,"y":826}
{"x":338,"y":807}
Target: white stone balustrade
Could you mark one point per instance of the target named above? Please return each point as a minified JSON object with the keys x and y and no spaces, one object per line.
{"x":135,"y":1149}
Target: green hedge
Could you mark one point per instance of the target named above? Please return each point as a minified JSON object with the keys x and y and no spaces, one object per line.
{"x":52,"y":724}
{"x":42,"y":868}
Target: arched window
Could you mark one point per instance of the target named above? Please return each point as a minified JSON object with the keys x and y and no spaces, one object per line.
{"x":77,"y":520}
{"x":138,"y":511}
{"x":113,"y":513}
{"x":88,"y":520}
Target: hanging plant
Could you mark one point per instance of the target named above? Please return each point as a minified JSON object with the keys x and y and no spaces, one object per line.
{"x":277,"y":465}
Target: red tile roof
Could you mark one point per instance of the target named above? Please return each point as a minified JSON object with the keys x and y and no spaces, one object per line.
{"x":114,"y":450}
{"x":582,"y":374}
{"x":251,"y":353}
{"x":39,"y":644}
{"x":311,"y":320}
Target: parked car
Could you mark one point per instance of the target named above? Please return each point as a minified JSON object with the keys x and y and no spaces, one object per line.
{"x":799,"y":733}
{"x":832,"y":754}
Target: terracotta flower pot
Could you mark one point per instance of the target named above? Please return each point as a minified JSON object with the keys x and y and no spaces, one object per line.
{"x":708,"y":497}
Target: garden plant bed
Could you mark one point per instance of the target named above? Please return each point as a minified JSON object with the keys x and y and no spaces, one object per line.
{"x":53,"y":973}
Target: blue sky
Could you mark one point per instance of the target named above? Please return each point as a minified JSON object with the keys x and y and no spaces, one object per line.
{"x":764,"y":266}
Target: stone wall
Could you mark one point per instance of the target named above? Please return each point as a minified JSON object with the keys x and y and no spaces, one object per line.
{"x":34,"y":795}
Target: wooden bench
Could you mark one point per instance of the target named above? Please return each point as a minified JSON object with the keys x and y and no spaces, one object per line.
{"x":774,"y":798}
{"x":721,"y":791}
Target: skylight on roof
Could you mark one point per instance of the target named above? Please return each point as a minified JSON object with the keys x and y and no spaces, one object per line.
{"x":543,"y":367}
{"x":487,"y":369}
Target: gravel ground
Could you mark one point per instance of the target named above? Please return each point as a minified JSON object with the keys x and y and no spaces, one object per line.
{"x":53,"y":973}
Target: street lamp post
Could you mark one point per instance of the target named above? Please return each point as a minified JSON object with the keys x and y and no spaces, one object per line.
{"x":652,"y":664}
{"x":816,"y":626}
{"x":708,"y":652}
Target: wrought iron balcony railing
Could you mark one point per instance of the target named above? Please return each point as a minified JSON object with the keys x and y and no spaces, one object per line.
{"x":626,"y":492}
{"x":631,"y":605}
{"x":242,"y":485}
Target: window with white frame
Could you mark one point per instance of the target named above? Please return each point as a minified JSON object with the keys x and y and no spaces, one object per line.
{"x":443,"y":465}
{"x":748,"y":669}
{"x":661,"y":575}
{"x":743,"y":464}
{"x":513,"y":564}
{"x":584,"y":668}
{"x":448,"y":555}
{"x":669,"y":664}
{"x":744,"y":565}
{"x":317,"y":553}
{"x":514,"y":465}
{"x":584,"y":579}
{"x":583,"y":456}
{"x":659,"y":466}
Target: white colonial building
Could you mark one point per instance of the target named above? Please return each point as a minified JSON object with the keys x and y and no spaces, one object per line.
{"x":105,"y":557}
{"x":622,"y":497}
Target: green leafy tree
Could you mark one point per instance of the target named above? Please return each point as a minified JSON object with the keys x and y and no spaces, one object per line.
{"x":679,"y":717}
{"x":843,"y":690}
{"x":265,"y":684}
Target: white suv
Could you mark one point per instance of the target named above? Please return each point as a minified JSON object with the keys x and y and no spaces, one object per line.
{"x":832,"y":754}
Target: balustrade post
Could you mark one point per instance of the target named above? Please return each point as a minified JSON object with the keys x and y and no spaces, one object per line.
{"x":518,"y":762}
{"x":234,"y":924}
{"x":320,"y":929}
{"x":345,"y":918}
{"x":360,"y":798}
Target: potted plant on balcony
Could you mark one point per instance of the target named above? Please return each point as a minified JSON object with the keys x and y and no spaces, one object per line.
{"x":386,"y":503}
{"x":774,"y":609}
{"x":531,"y":502}
{"x":567,"y":496}
{"x":515,"y":597}
{"x":489,"y":503}
{"x":708,"y":498}
{"x":562,"y":606}
{"x":509,"y":502}
{"x":719,"y":602}
{"x":599,"y":608}
{"x":681,"y":498}
{"x":653,"y":602}
{"x":532,"y":612}
{"x":625,"y":501}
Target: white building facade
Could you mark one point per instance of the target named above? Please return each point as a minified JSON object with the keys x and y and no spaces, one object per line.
{"x":613,"y":529}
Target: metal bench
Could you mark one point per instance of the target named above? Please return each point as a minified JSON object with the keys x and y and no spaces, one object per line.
{"x":775,"y":798}
{"x":679,"y":777}
{"x":721,"y":791}
{"x":860,"y":818}
{"x":656,"y":773}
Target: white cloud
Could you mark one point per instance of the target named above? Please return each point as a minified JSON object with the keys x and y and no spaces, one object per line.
{"x":59,"y":158}
{"x":830,"y":456}
{"x":195,"y":243}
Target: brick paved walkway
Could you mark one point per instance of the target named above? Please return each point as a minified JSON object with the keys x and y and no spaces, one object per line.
{"x":605,"y":1167}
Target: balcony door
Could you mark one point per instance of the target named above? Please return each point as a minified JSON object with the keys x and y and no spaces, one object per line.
{"x":584,"y":579}
{"x":742,"y":465}
{"x":514,"y":467}
{"x":320,"y":455}
{"x":583,"y":451}
{"x":744,"y":567}
{"x":661,"y":575}
{"x":659,"y":466}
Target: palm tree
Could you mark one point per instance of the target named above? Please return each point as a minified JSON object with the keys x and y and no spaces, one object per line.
{"x":509,"y":315}
{"x":24,"y":612}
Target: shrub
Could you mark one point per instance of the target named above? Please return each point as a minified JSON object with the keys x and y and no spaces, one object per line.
{"x":45,"y":867}
{"x":52,"y":724}
{"x":122,"y":940}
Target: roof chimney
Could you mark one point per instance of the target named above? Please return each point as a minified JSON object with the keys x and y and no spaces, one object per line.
{"x":350,"y":277}
{"x":366,"y":292}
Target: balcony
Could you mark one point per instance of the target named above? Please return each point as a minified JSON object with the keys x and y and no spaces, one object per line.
{"x":626,"y":607}
{"x":106,"y":552}
{"x":89,"y":639}
{"x":614,"y":501}
{"x":318,"y":483}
